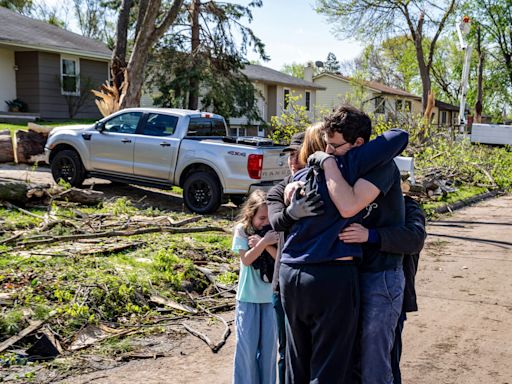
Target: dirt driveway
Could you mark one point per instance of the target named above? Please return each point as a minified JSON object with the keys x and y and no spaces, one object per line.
{"x":462,"y":334}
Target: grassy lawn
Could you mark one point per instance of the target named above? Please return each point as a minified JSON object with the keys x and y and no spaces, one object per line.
{"x":16,"y":127}
{"x":71,"y":284}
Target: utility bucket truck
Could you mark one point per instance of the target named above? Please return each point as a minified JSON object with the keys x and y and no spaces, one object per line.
{"x":496,"y":134}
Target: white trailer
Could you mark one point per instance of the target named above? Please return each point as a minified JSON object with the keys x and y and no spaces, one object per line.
{"x":491,"y":134}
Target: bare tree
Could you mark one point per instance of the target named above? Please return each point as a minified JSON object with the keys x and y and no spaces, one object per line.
{"x":381,"y":19}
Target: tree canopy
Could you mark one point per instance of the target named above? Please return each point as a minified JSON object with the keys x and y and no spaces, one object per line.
{"x":379,"y":20}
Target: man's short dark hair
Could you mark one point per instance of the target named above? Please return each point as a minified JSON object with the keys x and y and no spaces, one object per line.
{"x":350,"y":122}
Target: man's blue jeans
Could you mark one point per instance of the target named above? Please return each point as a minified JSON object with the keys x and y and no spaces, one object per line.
{"x":382,"y":295}
{"x":256,"y":344}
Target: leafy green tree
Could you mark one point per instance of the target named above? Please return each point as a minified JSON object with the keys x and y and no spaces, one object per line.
{"x":203,"y":58}
{"x":21,"y":6}
{"x":293,"y":119}
{"x":331,"y":63}
{"x":294,"y":69}
{"x":378,"y":20}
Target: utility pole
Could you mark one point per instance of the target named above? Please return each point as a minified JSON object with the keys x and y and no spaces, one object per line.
{"x":462,"y":30}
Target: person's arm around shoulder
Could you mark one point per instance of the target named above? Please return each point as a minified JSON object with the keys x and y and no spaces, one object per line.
{"x":348,"y":200}
{"x":351,"y":200}
{"x":406,"y":239}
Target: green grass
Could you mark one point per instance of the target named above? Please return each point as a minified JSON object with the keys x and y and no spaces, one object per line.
{"x":463,"y":192}
{"x":23,"y":127}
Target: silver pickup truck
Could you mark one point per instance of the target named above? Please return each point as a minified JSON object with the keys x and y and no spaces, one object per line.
{"x":166,"y":147}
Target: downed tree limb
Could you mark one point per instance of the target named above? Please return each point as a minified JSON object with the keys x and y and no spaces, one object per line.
{"x":13,"y":191}
{"x":82,"y":196}
{"x":131,"y":232}
{"x":157,"y":299}
{"x":214,"y":347}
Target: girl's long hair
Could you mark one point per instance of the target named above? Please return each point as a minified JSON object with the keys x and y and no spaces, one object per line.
{"x":249,"y":209}
{"x":313,"y":141}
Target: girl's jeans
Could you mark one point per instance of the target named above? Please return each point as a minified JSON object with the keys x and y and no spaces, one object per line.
{"x":256,"y":344}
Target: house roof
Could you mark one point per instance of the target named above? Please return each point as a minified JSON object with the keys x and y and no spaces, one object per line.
{"x":373,"y":85}
{"x":22,"y":31}
{"x":447,"y":107}
{"x":269,"y":75}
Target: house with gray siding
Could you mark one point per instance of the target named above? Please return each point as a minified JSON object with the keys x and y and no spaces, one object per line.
{"x":49,"y":68}
{"x":272,"y":88}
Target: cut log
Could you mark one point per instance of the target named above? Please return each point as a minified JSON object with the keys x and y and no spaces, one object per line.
{"x":6,"y":149}
{"x":30,"y":146}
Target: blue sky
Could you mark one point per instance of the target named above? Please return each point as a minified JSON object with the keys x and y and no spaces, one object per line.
{"x":293,"y":32}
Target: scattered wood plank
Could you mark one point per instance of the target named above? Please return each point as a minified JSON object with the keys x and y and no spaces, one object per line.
{"x":27,"y":331}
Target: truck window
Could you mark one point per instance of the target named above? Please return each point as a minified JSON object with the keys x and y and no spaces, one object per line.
{"x":160,"y":125}
{"x":200,"y":126}
{"x":124,"y":123}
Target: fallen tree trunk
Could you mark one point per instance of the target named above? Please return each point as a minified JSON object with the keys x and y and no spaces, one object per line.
{"x":19,"y":192}
{"x":13,"y":191}
{"x":6,"y":149}
{"x":30,"y":144}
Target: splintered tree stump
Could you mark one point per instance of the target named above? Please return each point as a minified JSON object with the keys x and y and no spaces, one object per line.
{"x":30,"y":144}
{"x":6,"y":149}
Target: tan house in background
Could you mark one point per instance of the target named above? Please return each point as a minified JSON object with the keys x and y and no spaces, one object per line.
{"x":375,"y":97}
{"x":272,"y":88}
{"x":378,"y":99}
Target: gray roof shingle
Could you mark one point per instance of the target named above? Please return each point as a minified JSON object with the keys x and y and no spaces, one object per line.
{"x":19,"y":30}
{"x":269,"y":75}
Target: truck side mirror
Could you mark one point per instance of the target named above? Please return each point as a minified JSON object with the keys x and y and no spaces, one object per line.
{"x":99,"y":126}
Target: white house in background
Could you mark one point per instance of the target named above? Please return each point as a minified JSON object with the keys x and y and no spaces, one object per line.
{"x":272,"y":88}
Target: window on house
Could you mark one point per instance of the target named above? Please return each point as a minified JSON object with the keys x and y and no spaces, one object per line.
{"x":70,"y":76}
{"x":286,"y":95}
{"x":408,"y":106}
{"x":399,"y":105}
{"x":380,"y":106}
{"x":308,"y":100}
{"x":443,"y":117}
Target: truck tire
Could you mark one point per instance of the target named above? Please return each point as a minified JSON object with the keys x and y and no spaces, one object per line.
{"x":67,"y":166}
{"x":202,"y":192}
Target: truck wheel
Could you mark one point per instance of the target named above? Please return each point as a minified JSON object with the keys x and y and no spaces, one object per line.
{"x":202,"y":192}
{"x":67,"y":166}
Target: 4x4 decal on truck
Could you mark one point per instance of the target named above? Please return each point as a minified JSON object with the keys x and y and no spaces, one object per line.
{"x":235,"y":153}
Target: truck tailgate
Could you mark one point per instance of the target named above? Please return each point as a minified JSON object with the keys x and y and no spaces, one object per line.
{"x":275,"y":166}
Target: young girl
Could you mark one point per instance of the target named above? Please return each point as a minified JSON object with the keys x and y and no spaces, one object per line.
{"x":256,"y":338}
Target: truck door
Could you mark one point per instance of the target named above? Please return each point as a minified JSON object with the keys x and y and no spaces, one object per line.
{"x":157,"y":147}
{"x":112,"y":148}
